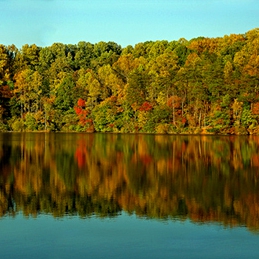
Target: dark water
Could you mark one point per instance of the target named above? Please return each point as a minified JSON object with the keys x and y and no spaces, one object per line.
{"x":128,"y":196}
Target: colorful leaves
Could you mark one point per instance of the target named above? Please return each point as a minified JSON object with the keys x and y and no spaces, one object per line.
{"x":181,"y":78}
{"x":146,"y":106}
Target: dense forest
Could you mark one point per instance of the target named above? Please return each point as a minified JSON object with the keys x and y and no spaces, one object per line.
{"x":201,"y":178}
{"x":204,"y":85}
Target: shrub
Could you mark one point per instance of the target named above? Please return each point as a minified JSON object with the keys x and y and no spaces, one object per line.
{"x":17,"y":125}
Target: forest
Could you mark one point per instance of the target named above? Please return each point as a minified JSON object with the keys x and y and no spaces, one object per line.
{"x":200,"y":86}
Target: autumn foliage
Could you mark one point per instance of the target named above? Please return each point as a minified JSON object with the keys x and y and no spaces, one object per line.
{"x":146,"y":106}
{"x":204,"y":85}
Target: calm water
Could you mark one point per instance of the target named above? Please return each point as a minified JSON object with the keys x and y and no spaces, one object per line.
{"x":128,"y":196}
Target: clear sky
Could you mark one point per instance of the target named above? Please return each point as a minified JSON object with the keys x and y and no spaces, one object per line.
{"x":125,"y":22}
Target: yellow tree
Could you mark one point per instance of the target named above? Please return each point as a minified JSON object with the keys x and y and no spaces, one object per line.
{"x":163,"y":69}
{"x":4,"y":70}
{"x":94,"y":89}
{"x":125,"y":65}
{"x":111,"y":83}
{"x":5,"y":64}
{"x":28,"y":90}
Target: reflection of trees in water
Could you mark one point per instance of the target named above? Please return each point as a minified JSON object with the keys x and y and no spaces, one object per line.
{"x":204,"y":178}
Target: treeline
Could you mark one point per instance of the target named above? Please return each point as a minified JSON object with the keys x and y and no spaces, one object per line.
{"x":201,"y":178}
{"x":205,"y":85}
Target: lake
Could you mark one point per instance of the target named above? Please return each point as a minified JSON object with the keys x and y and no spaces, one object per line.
{"x":78,"y":195}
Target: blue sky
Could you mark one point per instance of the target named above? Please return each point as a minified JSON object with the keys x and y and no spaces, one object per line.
{"x":125,"y":22}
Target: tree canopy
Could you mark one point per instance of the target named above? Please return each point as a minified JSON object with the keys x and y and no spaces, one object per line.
{"x":204,"y":85}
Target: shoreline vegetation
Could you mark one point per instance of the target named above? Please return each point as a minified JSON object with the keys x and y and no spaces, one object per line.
{"x":200,"y":86}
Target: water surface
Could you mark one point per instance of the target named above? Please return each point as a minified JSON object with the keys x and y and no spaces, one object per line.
{"x":123,"y":196}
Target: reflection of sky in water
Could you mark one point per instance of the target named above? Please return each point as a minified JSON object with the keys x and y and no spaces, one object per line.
{"x":121,"y":237}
